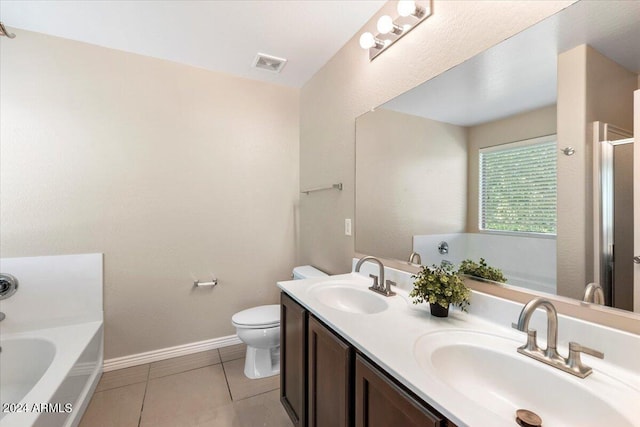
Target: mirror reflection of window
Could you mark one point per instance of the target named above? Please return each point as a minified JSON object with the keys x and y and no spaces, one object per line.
{"x":580,"y":66}
{"x":518,"y":185}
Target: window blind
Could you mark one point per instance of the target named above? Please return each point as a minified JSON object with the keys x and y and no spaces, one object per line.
{"x":518,"y":184}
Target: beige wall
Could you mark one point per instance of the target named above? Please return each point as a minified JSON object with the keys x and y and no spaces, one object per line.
{"x":532,"y":124}
{"x":422,"y":163}
{"x":172,"y":171}
{"x":349,"y":85}
{"x":591,"y":88}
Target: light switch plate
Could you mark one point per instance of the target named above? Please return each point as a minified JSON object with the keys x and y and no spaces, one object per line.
{"x":347,"y":227}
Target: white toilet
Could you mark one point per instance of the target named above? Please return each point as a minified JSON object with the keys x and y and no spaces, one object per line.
{"x":259,"y":328}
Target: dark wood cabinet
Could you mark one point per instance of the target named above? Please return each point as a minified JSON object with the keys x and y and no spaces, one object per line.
{"x":330,"y":378}
{"x":379,"y":402}
{"x":293,"y":359}
{"x":323,"y":383}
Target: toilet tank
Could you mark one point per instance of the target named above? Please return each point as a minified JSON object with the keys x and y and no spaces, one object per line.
{"x":307,"y":272}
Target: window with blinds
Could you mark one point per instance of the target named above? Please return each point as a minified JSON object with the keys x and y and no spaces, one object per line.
{"x":518,"y":186}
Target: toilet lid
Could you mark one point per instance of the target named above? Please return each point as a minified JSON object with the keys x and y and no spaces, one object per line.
{"x":262,"y":316}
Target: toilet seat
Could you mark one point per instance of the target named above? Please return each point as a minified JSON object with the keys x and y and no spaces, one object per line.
{"x":259,"y":329}
{"x":261,"y":317}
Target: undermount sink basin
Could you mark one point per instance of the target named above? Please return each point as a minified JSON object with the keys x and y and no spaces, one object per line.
{"x":346,"y":297}
{"x":487,"y":370}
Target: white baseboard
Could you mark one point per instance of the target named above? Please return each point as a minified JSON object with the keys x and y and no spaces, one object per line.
{"x":168,"y":353}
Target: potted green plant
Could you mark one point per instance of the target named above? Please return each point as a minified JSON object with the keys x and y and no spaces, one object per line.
{"x":440,"y":286}
{"x":481,"y":270}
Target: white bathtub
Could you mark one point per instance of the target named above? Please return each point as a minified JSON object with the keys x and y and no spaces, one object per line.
{"x":48,"y":376}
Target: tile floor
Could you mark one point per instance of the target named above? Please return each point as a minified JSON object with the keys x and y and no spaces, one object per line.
{"x":202,"y":389}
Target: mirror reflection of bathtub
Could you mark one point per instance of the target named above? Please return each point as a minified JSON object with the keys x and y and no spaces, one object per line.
{"x":528,"y":262}
{"x":51,"y":340}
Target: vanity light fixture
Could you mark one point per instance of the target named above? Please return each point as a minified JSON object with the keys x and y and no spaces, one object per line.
{"x":409,"y":7}
{"x":390,"y":30}
{"x":386,"y":26}
{"x":369,"y":41}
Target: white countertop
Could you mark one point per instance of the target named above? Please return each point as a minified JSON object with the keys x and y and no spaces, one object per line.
{"x":389,"y":337}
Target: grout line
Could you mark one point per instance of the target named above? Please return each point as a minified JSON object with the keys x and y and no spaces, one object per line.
{"x":242,"y":354}
{"x":100,"y":387}
{"x":119,"y":386}
{"x":256,"y":395}
{"x":224,"y":371}
{"x":144,"y":396}
{"x":185,"y":370}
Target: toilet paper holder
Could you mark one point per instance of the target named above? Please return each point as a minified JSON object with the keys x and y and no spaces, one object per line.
{"x":199,"y":284}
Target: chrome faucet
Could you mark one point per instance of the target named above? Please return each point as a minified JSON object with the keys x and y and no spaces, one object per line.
{"x":382,"y":287}
{"x":415,"y":258}
{"x":531,"y":347}
{"x":593,"y":294}
{"x":8,"y":287}
{"x":550,"y":356}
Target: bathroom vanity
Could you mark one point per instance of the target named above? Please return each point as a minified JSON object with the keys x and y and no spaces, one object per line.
{"x":330,"y":381}
{"x":351,"y":357}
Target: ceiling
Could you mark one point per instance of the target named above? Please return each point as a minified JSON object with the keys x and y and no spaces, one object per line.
{"x":519,"y":74}
{"x":220,"y":35}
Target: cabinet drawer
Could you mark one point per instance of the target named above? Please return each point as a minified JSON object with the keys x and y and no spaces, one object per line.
{"x":293,"y":360}
{"x":330,"y":378}
{"x":382,"y":403}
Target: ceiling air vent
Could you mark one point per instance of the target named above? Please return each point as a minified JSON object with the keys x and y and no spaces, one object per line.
{"x":269,"y":63}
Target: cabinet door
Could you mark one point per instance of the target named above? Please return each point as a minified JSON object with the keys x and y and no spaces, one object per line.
{"x":293,"y":359}
{"x":330,"y":370}
{"x":381,"y":403}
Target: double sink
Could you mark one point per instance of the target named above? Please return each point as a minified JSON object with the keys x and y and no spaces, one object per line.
{"x":476,"y":368}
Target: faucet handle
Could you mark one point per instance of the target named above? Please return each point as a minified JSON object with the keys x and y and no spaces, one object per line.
{"x":575,"y":349}
{"x":575,"y":363}
{"x":532,"y":339}
{"x":388,"y":292}
{"x":375,"y":281}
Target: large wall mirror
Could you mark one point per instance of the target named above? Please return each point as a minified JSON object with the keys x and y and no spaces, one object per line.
{"x":521,"y":155}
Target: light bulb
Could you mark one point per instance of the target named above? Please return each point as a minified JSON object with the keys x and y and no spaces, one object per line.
{"x":367,"y":40}
{"x":385,"y":24}
{"x":406,"y":7}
